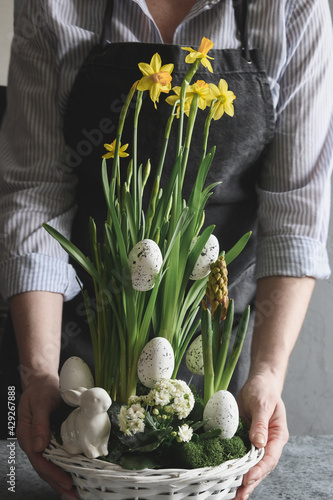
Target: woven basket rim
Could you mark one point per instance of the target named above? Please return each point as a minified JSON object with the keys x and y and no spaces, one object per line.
{"x":78,"y":464}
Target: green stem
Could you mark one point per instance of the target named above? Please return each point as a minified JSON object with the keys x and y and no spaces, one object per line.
{"x":122,"y":117}
{"x":188,"y":137}
{"x":187,"y":79}
{"x":165,"y":142}
{"x":223,"y":351}
{"x":135,"y":155}
{"x":207,"y":350}
{"x":206,"y":130}
{"x":236,"y":349}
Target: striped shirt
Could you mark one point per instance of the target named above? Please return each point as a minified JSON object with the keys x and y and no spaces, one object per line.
{"x":51,"y":40}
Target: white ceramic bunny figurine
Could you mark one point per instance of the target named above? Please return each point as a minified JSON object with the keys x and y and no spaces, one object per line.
{"x":87,"y":429}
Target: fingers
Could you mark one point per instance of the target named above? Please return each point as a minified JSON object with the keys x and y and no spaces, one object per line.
{"x":269,"y":430}
{"x":260,"y":471}
{"x":33,"y":434}
{"x":58,"y":479}
{"x":40,"y":429}
{"x":259,"y":427}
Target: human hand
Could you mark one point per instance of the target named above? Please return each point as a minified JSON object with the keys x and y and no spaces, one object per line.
{"x":260,"y":402}
{"x":39,"y":399}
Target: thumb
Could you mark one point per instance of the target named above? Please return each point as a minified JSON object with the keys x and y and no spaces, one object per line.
{"x":40,"y":430}
{"x":259,"y":428}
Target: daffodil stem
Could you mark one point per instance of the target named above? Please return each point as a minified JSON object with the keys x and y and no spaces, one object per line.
{"x":207,"y":349}
{"x":122,"y":117}
{"x":187,"y":79}
{"x":166,"y":142}
{"x":135,"y":152}
{"x":206,"y":130}
{"x":189,"y":133}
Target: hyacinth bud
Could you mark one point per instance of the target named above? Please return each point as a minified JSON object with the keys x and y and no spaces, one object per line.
{"x":217,"y":287}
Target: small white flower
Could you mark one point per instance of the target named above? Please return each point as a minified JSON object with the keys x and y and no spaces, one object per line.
{"x":137,"y":426}
{"x":136,"y":411}
{"x":131,"y":419}
{"x":185,"y":433}
{"x":160,"y":398}
{"x":123,"y":420}
{"x":134,"y":399}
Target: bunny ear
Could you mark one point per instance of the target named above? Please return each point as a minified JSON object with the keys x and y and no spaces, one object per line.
{"x":73,"y":396}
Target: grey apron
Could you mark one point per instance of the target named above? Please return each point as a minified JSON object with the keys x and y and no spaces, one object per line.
{"x":90,"y":121}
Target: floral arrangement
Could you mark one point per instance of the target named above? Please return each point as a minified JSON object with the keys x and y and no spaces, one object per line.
{"x":155,"y":272}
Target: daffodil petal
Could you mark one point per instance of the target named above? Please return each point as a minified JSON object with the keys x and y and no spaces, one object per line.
{"x":189,"y":49}
{"x":229,"y":109}
{"x":207,"y":64}
{"x":219,"y":111}
{"x":172,"y":99}
{"x":223,"y":86}
{"x":145,"y":83}
{"x":202,"y":103}
{"x":154,"y":92}
{"x":214,"y":90}
{"x":168,"y":68}
{"x":230,"y":96}
{"x":156,"y":63}
{"x":146,"y":69}
{"x":177,"y":90}
{"x":108,"y":155}
{"x":190,"y":58}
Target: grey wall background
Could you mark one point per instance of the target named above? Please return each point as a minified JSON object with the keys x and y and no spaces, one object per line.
{"x":308,"y":392}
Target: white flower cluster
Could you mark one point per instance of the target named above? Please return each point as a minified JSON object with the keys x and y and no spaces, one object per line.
{"x":168,"y":397}
{"x":131,"y":418}
{"x":174,"y":396}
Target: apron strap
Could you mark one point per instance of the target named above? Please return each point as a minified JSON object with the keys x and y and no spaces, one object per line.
{"x":241,"y":15}
{"x":106,"y":30}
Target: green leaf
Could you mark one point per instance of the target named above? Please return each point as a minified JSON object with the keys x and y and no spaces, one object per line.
{"x":145,"y":441}
{"x":105,"y":182}
{"x":237,"y":248}
{"x":78,"y":256}
{"x":212,"y":433}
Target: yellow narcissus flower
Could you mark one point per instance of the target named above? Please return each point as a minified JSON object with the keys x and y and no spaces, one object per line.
{"x":112,"y":147}
{"x":156,"y":78}
{"x":201,"y":53}
{"x":173,"y":98}
{"x":201,"y":88}
{"x":224,"y":98}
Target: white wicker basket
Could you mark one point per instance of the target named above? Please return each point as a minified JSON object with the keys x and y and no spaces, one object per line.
{"x":96,"y":479}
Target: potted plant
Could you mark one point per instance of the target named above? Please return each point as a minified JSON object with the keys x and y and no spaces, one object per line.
{"x":157,"y":274}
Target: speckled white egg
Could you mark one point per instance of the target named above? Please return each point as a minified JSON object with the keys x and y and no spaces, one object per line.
{"x":222,"y":413}
{"x":194,"y":357}
{"x":156,"y":362}
{"x":75,"y":373}
{"x":145,"y":261}
{"x":208,"y":256}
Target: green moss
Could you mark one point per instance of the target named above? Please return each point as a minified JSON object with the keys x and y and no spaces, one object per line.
{"x":209,"y":452}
